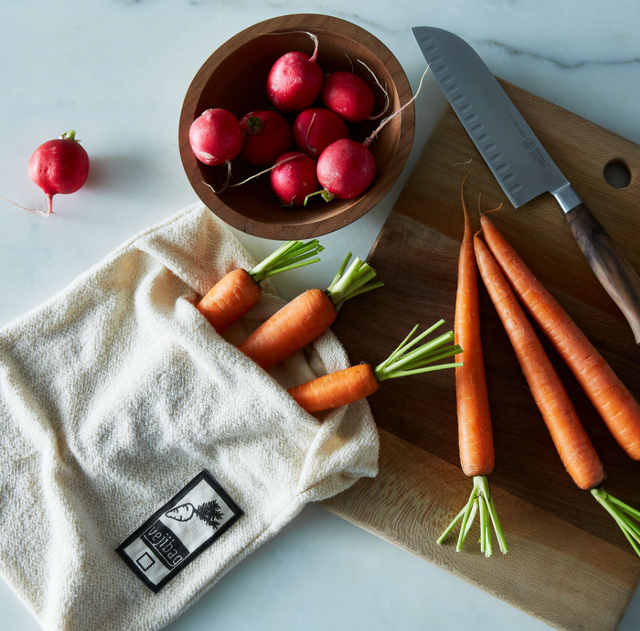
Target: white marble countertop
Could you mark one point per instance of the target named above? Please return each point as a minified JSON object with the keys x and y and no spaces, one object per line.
{"x":116,"y":71}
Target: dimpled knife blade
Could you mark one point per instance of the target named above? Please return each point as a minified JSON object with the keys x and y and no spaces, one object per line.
{"x":518,"y":160}
{"x":515,"y":156}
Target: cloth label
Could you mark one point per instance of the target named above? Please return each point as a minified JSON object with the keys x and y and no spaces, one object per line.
{"x":179,"y":531}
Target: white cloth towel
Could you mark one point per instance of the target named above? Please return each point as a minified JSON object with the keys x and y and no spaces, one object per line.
{"x":114,"y":395}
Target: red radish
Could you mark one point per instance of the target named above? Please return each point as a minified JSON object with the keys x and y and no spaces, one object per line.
{"x":316,"y":128}
{"x":267,"y":135}
{"x":295,"y":179}
{"x":346,"y":94}
{"x":59,"y":166}
{"x":215,"y":137}
{"x":346,"y":168}
{"x":295,"y":80}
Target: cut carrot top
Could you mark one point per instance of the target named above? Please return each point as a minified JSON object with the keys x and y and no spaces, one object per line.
{"x":237,"y":293}
{"x":349,"y":283}
{"x":291,"y":255}
{"x":307,"y":316}
{"x":357,"y":382}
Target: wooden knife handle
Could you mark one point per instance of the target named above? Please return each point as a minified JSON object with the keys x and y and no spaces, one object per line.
{"x":612,"y":269}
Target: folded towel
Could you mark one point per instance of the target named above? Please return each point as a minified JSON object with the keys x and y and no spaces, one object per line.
{"x":142,"y":454}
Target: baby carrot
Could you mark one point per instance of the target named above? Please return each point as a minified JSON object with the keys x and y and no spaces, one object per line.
{"x":237,"y":293}
{"x":574,"y":447}
{"x":308,"y":316}
{"x":357,"y":382}
{"x":475,"y":437}
{"x":615,"y":404}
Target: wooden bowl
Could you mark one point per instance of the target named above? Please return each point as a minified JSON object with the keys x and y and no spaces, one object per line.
{"x":234,"y":78}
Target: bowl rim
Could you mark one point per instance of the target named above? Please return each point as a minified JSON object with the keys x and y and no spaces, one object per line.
{"x":360,"y":205}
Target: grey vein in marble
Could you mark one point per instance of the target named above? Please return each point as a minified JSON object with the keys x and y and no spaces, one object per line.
{"x":510,"y":50}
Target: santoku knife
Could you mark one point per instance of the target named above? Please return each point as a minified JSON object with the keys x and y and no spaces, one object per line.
{"x":518,"y":160}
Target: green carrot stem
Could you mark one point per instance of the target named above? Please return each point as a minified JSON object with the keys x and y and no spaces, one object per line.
{"x":363,"y":290}
{"x":433,"y":357}
{"x":352,"y":281}
{"x":286,"y":268}
{"x":627,"y":518}
{"x":290,"y":255}
{"x":340,"y":272}
{"x":481,"y":502}
{"x":404,"y":361}
{"x":417,"y":371}
{"x":451,"y":526}
{"x":422,"y":351}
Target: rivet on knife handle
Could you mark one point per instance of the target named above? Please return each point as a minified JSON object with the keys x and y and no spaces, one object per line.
{"x":612,"y":269}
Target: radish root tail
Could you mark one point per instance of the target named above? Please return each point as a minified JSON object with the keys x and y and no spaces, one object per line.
{"x":351,"y":62}
{"x":226,"y":182}
{"x":46,"y":213}
{"x":306,"y":140}
{"x":376,"y":131}
{"x":277,"y":164}
{"x":384,"y":90}
{"x":314,"y":56}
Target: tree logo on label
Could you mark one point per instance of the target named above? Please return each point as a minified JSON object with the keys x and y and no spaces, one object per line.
{"x":209,"y":512}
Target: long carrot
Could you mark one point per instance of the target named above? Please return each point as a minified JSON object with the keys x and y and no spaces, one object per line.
{"x":475,"y":437}
{"x":306,"y":317}
{"x":573,"y":445}
{"x":237,"y":293}
{"x":355,"y":383}
{"x":619,"y":410}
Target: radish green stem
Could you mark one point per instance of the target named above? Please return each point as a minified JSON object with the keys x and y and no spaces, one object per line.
{"x":402,"y":363}
{"x":291,"y":255}
{"x":480,"y":501}
{"x":352,"y":281}
{"x":623,"y":514}
{"x":326,"y":195}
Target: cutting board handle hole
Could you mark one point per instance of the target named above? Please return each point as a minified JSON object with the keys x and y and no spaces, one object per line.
{"x":617,"y":174}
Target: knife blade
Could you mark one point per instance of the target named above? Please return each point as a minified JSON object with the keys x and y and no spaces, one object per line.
{"x":519,"y":162}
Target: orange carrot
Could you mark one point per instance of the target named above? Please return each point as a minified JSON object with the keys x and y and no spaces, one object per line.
{"x":573,"y":445}
{"x":474,"y":421}
{"x":619,"y":410}
{"x":229,"y":299}
{"x":291,"y":328}
{"x":355,"y":383}
{"x":475,"y":437}
{"x":571,"y":441}
{"x":308,"y":316}
{"x":238,"y":292}
{"x":336,"y":389}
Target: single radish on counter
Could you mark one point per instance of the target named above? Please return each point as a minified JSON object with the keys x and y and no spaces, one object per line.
{"x":346,"y":168}
{"x":59,"y":166}
{"x":295,"y":80}
{"x":316,"y":128}
{"x":216,"y":138}
{"x":292,"y":180}
{"x":267,"y":135}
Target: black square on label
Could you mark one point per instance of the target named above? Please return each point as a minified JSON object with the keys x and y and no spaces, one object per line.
{"x":145,"y":561}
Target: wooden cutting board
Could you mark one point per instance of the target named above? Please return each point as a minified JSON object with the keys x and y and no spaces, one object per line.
{"x":568,"y":564}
